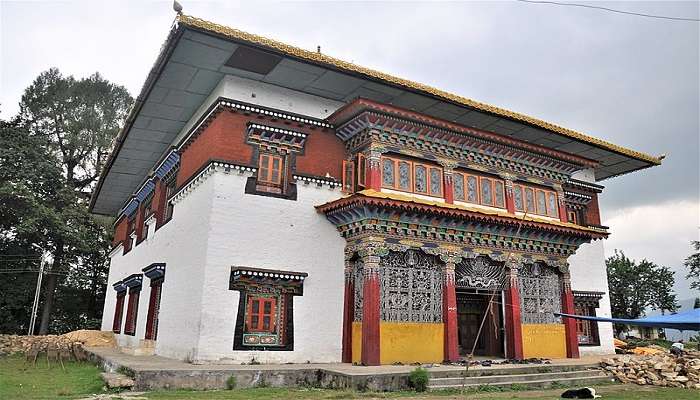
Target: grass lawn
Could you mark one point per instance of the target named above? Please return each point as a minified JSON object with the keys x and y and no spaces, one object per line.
{"x":20,"y":380}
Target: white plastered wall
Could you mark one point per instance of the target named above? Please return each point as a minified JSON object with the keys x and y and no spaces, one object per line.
{"x":588,"y":272}
{"x":272,"y":233}
{"x":181,"y":245}
{"x":266,"y":95}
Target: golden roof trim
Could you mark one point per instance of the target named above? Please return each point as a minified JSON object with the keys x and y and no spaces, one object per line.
{"x":344,"y":65}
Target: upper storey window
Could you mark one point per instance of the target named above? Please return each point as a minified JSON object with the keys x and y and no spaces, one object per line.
{"x":478,"y":189}
{"x":270,"y":169}
{"x":535,"y":201}
{"x":412,"y":176}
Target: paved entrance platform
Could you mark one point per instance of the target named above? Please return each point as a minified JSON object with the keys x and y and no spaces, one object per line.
{"x":156,"y":372}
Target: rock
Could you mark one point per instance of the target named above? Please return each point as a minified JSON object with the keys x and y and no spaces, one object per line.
{"x":117,"y":381}
{"x":661,"y":369}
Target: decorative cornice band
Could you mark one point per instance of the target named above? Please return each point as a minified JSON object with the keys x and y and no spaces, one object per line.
{"x":332,"y":182}
{"x":272,"y":113}
{"x":205,"y":173}
{"x":278,"y":130}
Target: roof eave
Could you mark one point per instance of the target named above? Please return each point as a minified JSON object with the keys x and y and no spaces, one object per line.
{"x":166,"y":50}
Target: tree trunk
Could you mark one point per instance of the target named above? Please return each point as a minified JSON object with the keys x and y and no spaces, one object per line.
{"x":51,"y":283}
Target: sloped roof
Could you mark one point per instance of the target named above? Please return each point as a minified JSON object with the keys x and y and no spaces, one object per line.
{"x":198,"y":54}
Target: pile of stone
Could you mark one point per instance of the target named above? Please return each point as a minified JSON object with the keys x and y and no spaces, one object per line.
{"x":658,"y":369}
{"x":64,"y":347}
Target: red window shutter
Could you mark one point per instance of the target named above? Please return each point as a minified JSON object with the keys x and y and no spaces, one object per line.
{"x":118,"y":309}
{"x":153,"y":305}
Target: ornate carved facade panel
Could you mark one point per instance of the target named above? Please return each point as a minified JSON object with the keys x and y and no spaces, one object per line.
{"x":480,"y":272}
{"x":357,"y":276}
{"x":540,"y":293}
{"x":411,"y":287}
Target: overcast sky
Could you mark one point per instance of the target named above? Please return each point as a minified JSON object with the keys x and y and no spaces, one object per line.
{"x":632,"y":81}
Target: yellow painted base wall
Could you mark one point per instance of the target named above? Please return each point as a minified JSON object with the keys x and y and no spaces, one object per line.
{"x":409,"y":342}
{"x":403,"y":342}
{"x":544,"y":341}
{"x":356,"y":342}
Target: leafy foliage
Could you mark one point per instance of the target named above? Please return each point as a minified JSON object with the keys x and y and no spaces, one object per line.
{"x":50,"y":158}
{"x":693,"y":265}
{"x":634,"y":287}
{"x":418,"y":379}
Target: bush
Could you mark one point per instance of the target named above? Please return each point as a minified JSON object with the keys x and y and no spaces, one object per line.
{"x":231,"y":383}
{"x":418,"y":379}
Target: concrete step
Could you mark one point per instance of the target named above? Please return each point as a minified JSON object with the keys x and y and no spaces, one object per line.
{"x":498,"y":370}
{"x":513,"y":378}
{"x":534,"y":382}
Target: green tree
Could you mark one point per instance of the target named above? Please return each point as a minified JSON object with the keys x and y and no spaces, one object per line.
{"x":72,"y":123}
{"x":693,"y":265}
{"x":697,"y":303}
{"x":635,"y":287}
{"x":29,"y":183}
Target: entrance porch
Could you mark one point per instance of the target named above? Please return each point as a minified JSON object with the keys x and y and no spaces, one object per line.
{"x":421,"y":278}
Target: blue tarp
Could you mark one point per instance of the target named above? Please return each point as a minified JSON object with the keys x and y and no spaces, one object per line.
{"x":684,"y":321}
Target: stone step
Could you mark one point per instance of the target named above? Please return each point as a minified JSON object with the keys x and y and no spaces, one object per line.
{"x":512,"y":370}
{"x":514,"y":377}
{"x":532,"y":384}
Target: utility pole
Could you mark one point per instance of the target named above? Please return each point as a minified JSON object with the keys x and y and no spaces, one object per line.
{"x":35,"y":306}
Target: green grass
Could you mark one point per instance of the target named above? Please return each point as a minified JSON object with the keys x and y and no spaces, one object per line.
{"x":21,"y":380}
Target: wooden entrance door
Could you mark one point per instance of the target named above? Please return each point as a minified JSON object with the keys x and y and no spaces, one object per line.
{"x":471,"y":308}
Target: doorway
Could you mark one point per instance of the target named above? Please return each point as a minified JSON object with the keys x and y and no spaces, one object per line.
{"x":472,"y":305}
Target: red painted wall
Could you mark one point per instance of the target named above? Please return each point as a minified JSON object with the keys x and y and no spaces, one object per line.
{"x":119,"y":231}
{"x":593,"y":211}
{"x":225,"y":139}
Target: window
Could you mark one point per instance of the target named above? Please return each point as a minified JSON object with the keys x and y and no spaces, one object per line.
{"x":169,"y":192}
{"x":587,"y":331}
{"x":411,"y":176}
{"x":118,"y":310}
{"x":265,"y":318}
{"x":572,"y":217}
{"x":132,"y":311}
{"x":261,"y":314}
{"x":153,"y":309}
{"x":270,"y":169}
{"x":361,"y":170}
{"x":536,"y":201}
{"x":147,"y":211}
{"x":479,"y":189}
{"x":348,"y":176}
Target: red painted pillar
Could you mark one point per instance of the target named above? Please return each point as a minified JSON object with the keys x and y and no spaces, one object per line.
{"x":563,"y":217}
{"x":510,"y":200}
{"x":448,"y":186}
{"x":449,"y":312}
{"x":370,"y":312}
{"x":514,"y":343}
{"x":374,"y":172}
{"x":348,"y":313}
{"x":567,"y":306}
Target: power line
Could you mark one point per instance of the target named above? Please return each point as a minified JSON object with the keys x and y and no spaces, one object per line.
{"x":556,"y":3}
